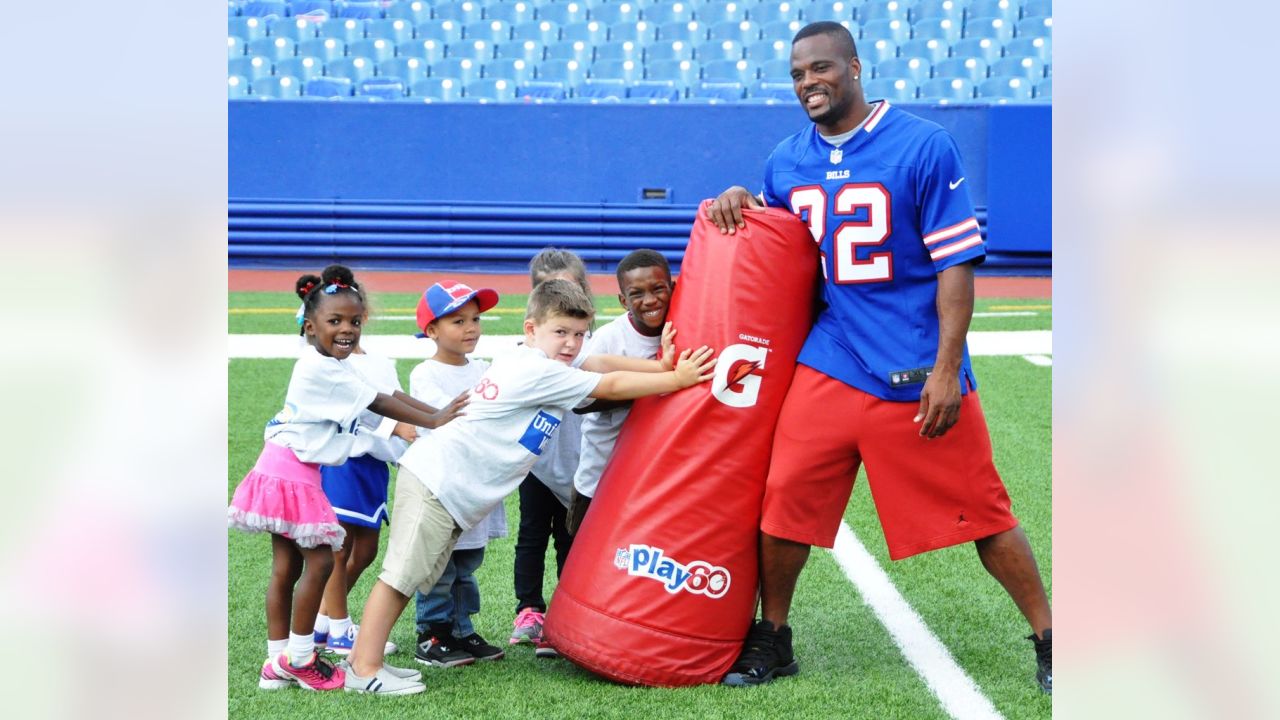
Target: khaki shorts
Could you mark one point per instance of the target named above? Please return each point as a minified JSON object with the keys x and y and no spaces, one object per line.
{"x":423,"y":534}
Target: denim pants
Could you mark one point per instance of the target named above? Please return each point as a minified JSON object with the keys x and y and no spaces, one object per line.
{"x":455,"y":597}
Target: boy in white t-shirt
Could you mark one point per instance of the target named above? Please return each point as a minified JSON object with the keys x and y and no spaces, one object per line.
{"x":451,"y":479}
{"x":644,"y":289}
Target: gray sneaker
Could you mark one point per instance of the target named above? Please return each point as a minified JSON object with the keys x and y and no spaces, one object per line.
{"x":402,"y":673}
{"x":384,"y":682}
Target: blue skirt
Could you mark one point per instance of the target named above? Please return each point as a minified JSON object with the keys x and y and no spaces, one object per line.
{"x":357,"y":489}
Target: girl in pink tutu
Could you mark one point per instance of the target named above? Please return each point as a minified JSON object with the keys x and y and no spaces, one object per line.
{"x":282,"y":493}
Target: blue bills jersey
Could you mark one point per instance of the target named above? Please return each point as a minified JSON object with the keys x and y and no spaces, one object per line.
{"x":890,"y":209}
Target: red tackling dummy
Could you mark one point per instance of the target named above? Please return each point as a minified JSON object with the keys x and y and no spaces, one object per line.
{"x":660,"y":586}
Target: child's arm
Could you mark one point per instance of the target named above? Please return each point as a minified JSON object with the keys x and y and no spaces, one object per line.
{"x":393,"y":407}
{"x":693,"y":367}
{"x":612,"y":363}
{"x":598,"y":406}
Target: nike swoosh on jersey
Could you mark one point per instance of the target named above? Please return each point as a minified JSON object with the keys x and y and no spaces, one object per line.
{"x":955,"y":184}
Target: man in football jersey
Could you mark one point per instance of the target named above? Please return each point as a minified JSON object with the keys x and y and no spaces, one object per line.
{"x":884,"y":194}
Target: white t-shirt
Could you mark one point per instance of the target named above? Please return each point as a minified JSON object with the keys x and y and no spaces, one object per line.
{"x":375,"y":436}
{"x":322,"y":406}
{"x":600,"y":430}
{"x":475,"y":461}
{"x":436,"y":384}
{"x":559,"y":460}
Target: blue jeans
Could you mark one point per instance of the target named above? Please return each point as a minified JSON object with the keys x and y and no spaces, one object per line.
{"x":455,"y":597}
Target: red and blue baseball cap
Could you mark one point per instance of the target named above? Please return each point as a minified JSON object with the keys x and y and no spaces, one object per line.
{"x":446,"y":297}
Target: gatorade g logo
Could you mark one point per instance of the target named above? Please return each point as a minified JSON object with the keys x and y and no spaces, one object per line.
{"x":698,"y":577}
{"x":736,"y":382}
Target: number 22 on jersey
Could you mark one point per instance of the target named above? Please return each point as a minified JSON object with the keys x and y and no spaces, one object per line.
{"x":849,"y":235}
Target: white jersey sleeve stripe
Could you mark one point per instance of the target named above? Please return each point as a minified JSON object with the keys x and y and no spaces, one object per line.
{"x":957,"y":247}
{"x":949,"y":232}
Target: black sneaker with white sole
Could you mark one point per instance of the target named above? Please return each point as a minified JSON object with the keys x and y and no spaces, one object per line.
{"x":1044,"y":660}
{"x":765,"y":655}
{"x":440,"y":648}
{"x":478,"y":648}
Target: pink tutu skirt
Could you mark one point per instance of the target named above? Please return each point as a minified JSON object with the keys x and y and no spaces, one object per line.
{"x":282,"y":495}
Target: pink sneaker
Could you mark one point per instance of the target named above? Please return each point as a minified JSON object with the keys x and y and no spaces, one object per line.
{"x":528,"y":627}
{"x":316,"y":674}
{"x":269,"y":680}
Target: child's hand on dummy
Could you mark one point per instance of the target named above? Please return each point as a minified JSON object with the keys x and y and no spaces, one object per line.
{"x":695,"y":366}
{"x":668,"y":358}
{"x":405,"y":432}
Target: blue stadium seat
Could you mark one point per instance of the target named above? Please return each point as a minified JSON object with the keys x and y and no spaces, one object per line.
{"x":569,"y":72}
{"x":771,"y":11}
{"x":602,"y":88}
{"x":296,"y":29}
{"x":516,"y":70}
{"x":382,"y":88}
{"x":246,"y":28}
{"x":327,"y":87}
{"x":542,"y":90}
{"x":376,"y":49}
{"x":1035,"y":26}
{"x":409,"y":69}
{"x":531,"y":51}
{"x":784,"y":31}
{"x":985,"y":48}
{"x":464,"y":70}
{"x":235,"y":46}
{"x":272,"y":48}
{"x":954,"y":89}
{"x":944,"y":29}
{"x":1044,"y":89}
{"x":718,"y":50}
{"x":615,"y":13}
{"x":934,"y":49}
{"x":324,"y":48}
{"x":899,"y":31}
{"x":1037,"y":8}
{"x":655,"y":90}
{"x":570,"y":50}
{"x":512,"y":13}
{"x":938,"y":10}
{"x":692,"y":32}
{"x":895,"y":89}
{"x":640,"y":32}
{"x":358,"y":9}
{"x":664,"y":50}
{"x":253,"y":68}
{"x":873,"y":10}
{"x":1007,"y":9}
{"x":393,"y":30}
{"x":237,"y":86}
{"x":772,"y":49}
{"x":668,"y":13}
{"x":310,"y":7}
{"x":969,"y":68}
{"x":1005,"y":88}
{"x":264,"y":8}
{"x":277,"y":86}
{"x":626,"y":50}
{"x":1040,"y":48}
{"x":426,"y":50}
{"x":591,"y":32}
{"x":739,"y":71}
{"x":437,"y":88}
{"x":718,"y":11}
{"x":563,"y":13}
{"x":996,"y":28}
{"x":464,"y":12}
{"x":785,"y":92}
{"x":415,"y":12}
{"x":348,"y":30}
{"x":234,"y":7}
{"x":1025,"y":67}
{"x":743,"y":31}
{"x":544,"y":32}
{"x":684,"y":73}
{"x":836,"y":10}
{"x":493,"y":89}
{"x":626,"y":70}
{"x":355,"y":69}
{"x":446,"y":31}
{"x":303,"y":68}
{"x":877,"y":51}
{"x":914,"y":69}
{"x":477,"y":50}
{"x":776,"y":71}
{"x":495,"y":32}
{"x":726,"y":91}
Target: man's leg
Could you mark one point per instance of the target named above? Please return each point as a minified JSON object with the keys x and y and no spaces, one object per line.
{"x":780,"y":564}
{"x":1008,"y":557}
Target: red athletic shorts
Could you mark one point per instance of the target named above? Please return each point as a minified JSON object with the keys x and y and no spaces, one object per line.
{"x":929,"y":493}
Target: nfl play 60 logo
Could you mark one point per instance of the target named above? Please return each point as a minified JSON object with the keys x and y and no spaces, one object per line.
{"x":698,"y":577}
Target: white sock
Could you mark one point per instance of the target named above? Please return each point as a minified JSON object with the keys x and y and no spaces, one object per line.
{"x":322,"y":624}
{"x":338,"y":626}
{"x":275,"y":647}
{"x":300,"y":648}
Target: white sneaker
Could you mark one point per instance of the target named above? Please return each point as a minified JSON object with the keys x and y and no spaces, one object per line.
{"x":402,"y":673}
{"x":342,"y":644}
{"x":384,"y":682}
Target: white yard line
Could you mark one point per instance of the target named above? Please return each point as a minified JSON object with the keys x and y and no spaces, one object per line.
{"x":1041,"y":360}
{"x":956,"y":691}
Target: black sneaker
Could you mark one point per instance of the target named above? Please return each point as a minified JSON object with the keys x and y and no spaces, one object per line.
{"x":441,"y":649}
{"x":765,"y":655}
{"x":478,"y":648}
{"x":1044,"y":660}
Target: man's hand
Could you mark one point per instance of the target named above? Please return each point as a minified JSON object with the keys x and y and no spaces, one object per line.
{"x":939,"y":404}
{"x":726,"y":210}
